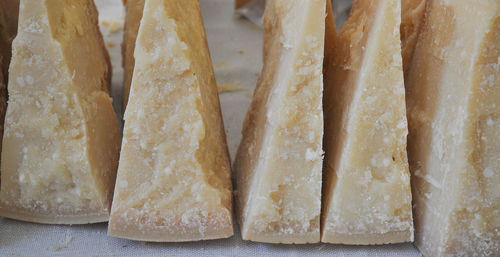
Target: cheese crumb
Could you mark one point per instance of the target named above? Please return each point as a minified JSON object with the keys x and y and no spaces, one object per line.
{"x":488,"y":173}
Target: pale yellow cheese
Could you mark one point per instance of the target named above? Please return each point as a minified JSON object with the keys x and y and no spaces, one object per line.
{"x":133,"y":15}
{"x":61,"y":141}
{"x":453,"y":94}
{"x":413,"y":14}
{"x":174,"y":175}
{"x":367,"y":198}
{"x":279,"y":160}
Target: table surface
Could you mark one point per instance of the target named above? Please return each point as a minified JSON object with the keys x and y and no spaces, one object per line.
{"x":235,"y":46}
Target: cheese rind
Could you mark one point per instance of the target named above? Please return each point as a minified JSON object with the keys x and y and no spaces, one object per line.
{"x":174,"y":175}
{"x":453,"y":92}
{"x":279,"y":160}
{"x":61,"y":140}
{"x":9,"y":13}
{"x":3,"y":103}
{"x":367,"y":198}
{"x":9,"y":10}
{"x":133,"y":15}
{"x":413,"y":14}
{"x":240,"y":3}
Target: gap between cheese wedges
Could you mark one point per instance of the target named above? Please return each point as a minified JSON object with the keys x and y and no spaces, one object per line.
{"x":133,"y":15}
{"x":61,"y":140}
{"x":367,"y":197}
{"x":9,"y":11}
{"x":279,"y":160}
{"x":174,"y":174}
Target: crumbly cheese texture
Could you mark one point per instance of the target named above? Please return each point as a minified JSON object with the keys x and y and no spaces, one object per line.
{"x":133,"y":15}
{"x":174,"y":175}
{"x":412,"y":19}
{"x":367,"y":196}
{"x":453,"y":93}
{"x":61,"y":141}
{"x":279,"y":160}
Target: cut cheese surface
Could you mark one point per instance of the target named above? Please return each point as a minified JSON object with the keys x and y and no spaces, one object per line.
{"x":367,"y":198}
{"x":61,"y":140}
{"x":133,"y":15}
{"x":413,"y":14}
{"x":279,"y":160}
{"x":453,"y":96}
{"x":174,"y":174}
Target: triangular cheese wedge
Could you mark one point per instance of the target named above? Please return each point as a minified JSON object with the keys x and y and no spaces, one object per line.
{"x":413,"y":14}
{"x":174,"y":175}
{"x":133,"y":15}
{"x":279,"y":160}
{"x":453,"y":93}
{"x":61,"y":140}
{"x":367,"y":196}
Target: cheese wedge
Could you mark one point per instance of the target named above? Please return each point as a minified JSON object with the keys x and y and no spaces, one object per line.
{"x":61,"y":141}
{"x":413,"y":14}
{"x":453,"y":95}
{"x":279,"y":160}
{"x":174,"y":175}
{"x":367,"y":197}
{"x":133,"y":10}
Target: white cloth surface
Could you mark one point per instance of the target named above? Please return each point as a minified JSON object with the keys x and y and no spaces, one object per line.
{"x":235,"y":46}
